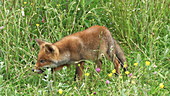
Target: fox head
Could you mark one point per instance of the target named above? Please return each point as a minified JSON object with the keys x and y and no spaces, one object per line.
{"x":48,"y":56}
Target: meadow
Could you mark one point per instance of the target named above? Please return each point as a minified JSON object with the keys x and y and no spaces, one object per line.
{"x":142,"y":28}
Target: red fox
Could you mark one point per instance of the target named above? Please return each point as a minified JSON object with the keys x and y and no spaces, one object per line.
{"x":90,"y":44}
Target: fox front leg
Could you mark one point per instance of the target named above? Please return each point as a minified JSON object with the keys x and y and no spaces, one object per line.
{"x":79,"y":71}
{"x":59,"y":67}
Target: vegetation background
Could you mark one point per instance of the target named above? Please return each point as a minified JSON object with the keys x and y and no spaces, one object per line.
{"x":142,"y":28}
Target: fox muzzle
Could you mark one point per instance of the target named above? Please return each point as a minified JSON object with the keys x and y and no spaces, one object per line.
{"x":39,"y":71}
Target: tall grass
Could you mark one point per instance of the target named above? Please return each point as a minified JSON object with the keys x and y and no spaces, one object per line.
{"x":142,"y":28}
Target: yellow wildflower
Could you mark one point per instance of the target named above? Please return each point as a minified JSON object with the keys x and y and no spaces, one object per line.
{"x":58,"y":5}
{"x":161,"y":85}
{"x":134,"y":77}
{"x":87,"y":74}
{"x":79,"y":65}
{"x":127,"y":72}
{"x":147,"y":63}
{"x":25,"y":2}
{"x":110,"y":75}
{"x":114,"y":71}
{"x":31,"y":3}
{"x":120,"y":77}
{"x":125,"y":65}
{"x":135,"y":64}
{"x":60,"y":91}
{"x":37,"y":25}
{"x":133,"y":82}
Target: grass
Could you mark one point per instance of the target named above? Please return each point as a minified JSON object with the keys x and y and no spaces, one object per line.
{"x":142,"y":28}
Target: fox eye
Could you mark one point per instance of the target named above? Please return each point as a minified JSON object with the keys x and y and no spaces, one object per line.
{"x":42,"y":61}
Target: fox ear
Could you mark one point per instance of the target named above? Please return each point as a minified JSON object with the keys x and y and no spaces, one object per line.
{"x":40,"y":42}
{"x":49,"y":48}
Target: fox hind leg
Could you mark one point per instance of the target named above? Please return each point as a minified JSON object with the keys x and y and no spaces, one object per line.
{"x":117,"y":65}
